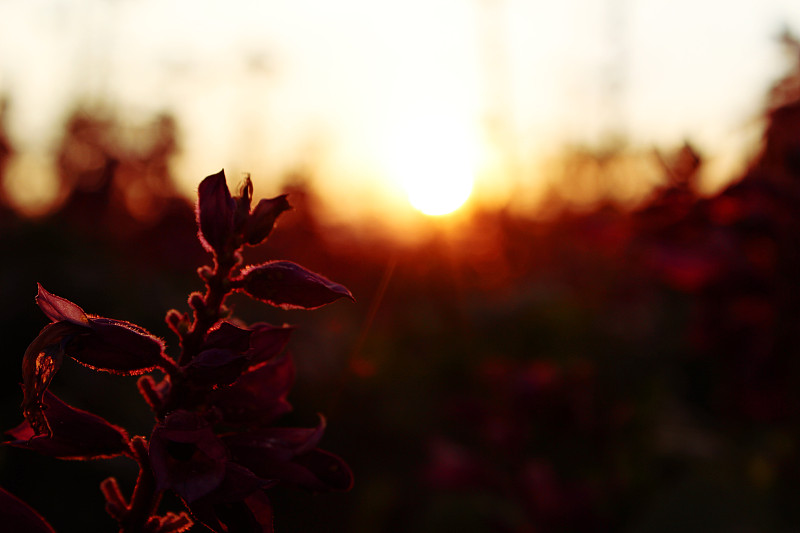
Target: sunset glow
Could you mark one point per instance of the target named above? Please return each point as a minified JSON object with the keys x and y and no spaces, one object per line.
{"x":406,"y":88}
{"x":435,"y":160}
{"x":441,"y":194}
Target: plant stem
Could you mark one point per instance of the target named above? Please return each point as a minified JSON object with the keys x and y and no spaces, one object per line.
{"x":217,"y":289}
{"x":145,"y":497}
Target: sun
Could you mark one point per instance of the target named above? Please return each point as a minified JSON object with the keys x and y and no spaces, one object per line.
{"x":435,"y":162}
{"x":439,"y":194}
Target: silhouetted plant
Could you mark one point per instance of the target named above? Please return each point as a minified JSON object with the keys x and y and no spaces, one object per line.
{"x":214,"y":443}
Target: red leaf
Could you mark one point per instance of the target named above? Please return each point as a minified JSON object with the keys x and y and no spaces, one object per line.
{"x":242,"y":209}
{"x":329,"y":470}
{"x":40,"y":363}
{"x":262,"y":219}
{"x":261,"y":510}
{"x":186,"y":456}
{"x":290,"y":286}
{"x":216,"y":366}
{"x":278,"y":443}
{"x":268,"y":342}
{"x":75,"y":434}
{"x":17,"y":515}
{"x":117,"y":346}
{"x":215,"y":211}
{"x":272,"y":458}
{"x":290,"y":455}
{"x":227,"y":335}
{"x":259,"y":395}
{"x":237,"y":504}
{"x":57,"y":308}
{"x":102,"y":343}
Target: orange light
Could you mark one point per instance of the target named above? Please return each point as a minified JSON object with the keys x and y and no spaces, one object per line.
{"x":435,"y":161}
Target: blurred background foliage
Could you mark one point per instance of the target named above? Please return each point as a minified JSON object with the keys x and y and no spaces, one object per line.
{"x":608,"y":367}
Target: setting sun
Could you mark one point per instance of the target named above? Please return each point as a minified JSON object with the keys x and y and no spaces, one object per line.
{"x":439,"y":194}
{"x":435,"y":162}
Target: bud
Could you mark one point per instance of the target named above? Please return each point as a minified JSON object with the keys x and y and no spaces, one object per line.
{"x":197,"y":302}
{"x":116,"y":505}
{"x":215,"y":212}
{"x":243,"y":201}
{"x":261,"y":221}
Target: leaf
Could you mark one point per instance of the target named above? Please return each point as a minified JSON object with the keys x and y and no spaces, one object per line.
{"x":259,"y":395}
{"x":186,"y":456}
{"x":216,"y":366}
{"x":242,"y":209}
{"x":261,"y":510}
{"x":16,"y":515}
{"x":289,"y":286}
{"x":277,"y":443}
{"x":74,"y":433}
{"x":40,"y":363}
{"x":329,"y":471}
{"x":267,"y":342}
{"x":237,"y":504}
{"x":262,"y":219}
{"x":227,"y":335}
{"x":215,"y":212}
{"x":275,"y":458}
{"x":57,"y":308}
{"x":117,"y":346}
{"x":290,"y":455}
{"x":102,"y":343}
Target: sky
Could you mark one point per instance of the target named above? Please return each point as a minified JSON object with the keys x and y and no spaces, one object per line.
{"x":377,"y":98}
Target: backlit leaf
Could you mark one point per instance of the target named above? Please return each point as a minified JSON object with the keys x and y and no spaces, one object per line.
{"x":16,"y":515}
{"x":290,"y":286}
{"x":74,"y":433}
{"x":215,"y":212}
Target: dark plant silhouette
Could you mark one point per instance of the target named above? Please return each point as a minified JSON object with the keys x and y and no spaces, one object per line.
{"x":215,"y":443}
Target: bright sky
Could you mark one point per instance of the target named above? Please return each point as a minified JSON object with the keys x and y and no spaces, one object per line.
{"x":369,"y":92}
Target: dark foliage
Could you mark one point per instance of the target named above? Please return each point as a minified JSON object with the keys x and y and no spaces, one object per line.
{"x":202,"y":448}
